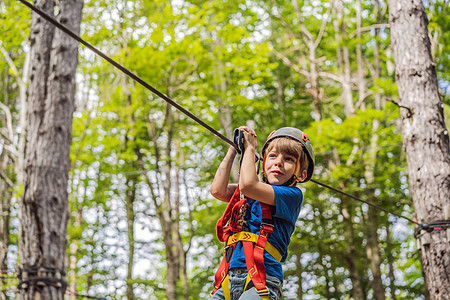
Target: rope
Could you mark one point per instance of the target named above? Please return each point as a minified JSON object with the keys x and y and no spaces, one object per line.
{"x":41,"y":279}
{"x":366,"y":202}
{"x":127,"y":72}
{"x":85,"y":296}
{"x":41,"y":276}
{"x":430,"y":226}
{"x":193,"y":117}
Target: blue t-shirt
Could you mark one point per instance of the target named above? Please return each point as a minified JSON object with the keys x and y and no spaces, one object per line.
{"x":288,"y":203}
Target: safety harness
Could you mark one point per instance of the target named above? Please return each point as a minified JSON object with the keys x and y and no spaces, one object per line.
{"x":231,"y":230}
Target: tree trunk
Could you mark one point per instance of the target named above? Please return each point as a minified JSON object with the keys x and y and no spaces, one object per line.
{"x":176,"y":228}
{"x":376,"y":52}
{"x":129,"y":203}
{"x":44,"y":207}
{"x":298,"y":272}
{"x":173,"y":266}
{"x":5,"y":200}
{"x":349,"y":107}
{"x":75,"y":246}
{"x":314,"y":81}
{"x":390,"y":260}
{"x":165,"y":211}
{"x":327,"y":278}
{"x":281,"y":98}
{"x":10,"y":161}
{"x":350,"y":255}
{"x":373,"y":253}
{"x":359,"y":58}
{"x":6,"y":185}
{"x":425,"y":137}
{"x":130,"y":196}
{"x":373,"y":247}
{"x":344,"y":61}
{"x":313,"y":77}
{"x":224,"y":109}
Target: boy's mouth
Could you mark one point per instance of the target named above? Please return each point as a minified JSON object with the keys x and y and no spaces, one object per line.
{"x":276,"y":172}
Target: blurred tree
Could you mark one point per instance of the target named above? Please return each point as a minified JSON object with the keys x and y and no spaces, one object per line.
{"x":425,"y":137}
{"x":43,"y":206}
{"x":13,"y":76}
{"x":141,"y":221}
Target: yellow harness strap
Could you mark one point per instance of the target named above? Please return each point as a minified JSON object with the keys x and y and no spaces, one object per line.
{"x":252,"y":237}
{"x":226,"y":288}
{"x":264,"y":297}
{"x":247,"y":281}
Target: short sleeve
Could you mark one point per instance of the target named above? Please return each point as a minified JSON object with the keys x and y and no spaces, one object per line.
{"x":288,"y":202}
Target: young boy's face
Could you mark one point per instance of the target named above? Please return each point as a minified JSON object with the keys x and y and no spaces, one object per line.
{"x":279,"y":166}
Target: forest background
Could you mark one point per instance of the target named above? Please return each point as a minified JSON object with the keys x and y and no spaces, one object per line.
{"x":142,"y":222}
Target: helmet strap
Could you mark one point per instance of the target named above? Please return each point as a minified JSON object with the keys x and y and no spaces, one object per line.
{"x":263,"y":174}
{"x":291,"y":182}
{"x":294,"y":179}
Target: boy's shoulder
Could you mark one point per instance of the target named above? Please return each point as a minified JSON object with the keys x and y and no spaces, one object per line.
{"x":288,"y":202}
{"x":282,"y":190}
{"x":289,"y":188}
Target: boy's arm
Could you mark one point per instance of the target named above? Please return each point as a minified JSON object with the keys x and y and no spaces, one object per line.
{"x":220,"y":189}
{"x":249,"y":183}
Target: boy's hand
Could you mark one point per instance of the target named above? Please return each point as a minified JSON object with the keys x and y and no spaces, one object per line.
{"x":249,"y":137}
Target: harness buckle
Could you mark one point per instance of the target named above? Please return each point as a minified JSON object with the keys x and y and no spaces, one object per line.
{"x":266,"y":224}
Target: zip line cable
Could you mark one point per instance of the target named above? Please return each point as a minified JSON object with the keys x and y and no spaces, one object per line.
{"x":126,"y":71}
{"x":429,"y":227}
{"x":366,"y":202}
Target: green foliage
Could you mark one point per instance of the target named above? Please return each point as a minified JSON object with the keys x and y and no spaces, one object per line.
{"x":14,"y":28}
{"x":205,"y":54}
{"x":439,"y":28}
{"x":254,"y":58}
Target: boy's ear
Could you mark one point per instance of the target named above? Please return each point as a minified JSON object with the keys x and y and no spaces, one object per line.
{"x":302,"y":176}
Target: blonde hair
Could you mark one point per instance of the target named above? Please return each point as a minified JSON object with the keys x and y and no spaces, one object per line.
{"x":290,"y":147}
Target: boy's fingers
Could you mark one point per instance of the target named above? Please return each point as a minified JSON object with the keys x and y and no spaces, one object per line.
{"x":248,"y":130}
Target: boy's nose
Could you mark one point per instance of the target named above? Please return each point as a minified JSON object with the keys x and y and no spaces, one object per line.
{"x":278,"y":160}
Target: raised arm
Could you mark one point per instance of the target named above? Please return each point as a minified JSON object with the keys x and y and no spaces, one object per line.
{"x":220,"y":187}
{"x":249,"y":182}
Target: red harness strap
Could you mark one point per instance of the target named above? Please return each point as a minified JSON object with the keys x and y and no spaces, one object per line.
{"x":226,"y":226}
{"x":254,"y":256}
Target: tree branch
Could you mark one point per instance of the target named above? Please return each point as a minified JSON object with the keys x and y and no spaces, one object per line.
{"x":149,"y":182}
{"x":352,"y":35}
{"x":7,"y":180}
{"x":11,"y":64}
{"x":292,"y":65}
{"x":324,"y":24}
{"x":8,"y":120}
{"x":410,"y":113}
{"x":284,"y":23}
{"x":332,"y":77}
{"x":307,"y":35}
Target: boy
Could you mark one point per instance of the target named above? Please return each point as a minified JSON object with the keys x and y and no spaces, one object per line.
{"x":270,"y":208}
